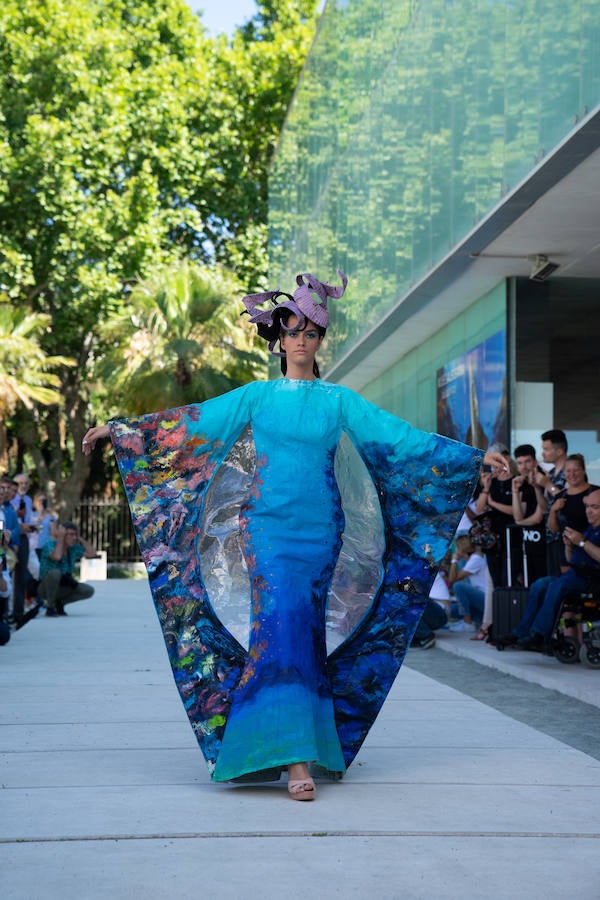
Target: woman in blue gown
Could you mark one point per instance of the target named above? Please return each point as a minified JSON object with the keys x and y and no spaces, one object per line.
{"x":283,"y":703}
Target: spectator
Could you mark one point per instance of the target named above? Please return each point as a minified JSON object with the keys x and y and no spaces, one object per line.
{"x":21,"y":500}
{"x":583,"y":555}
{"x":528,"y":501}
{"x":529,"y":512}
{"x":495,"y":503}
{"x":5,"y":592}
{"x":9,"y":516}
{"x":468,"y":584}
{"x":568,"y":508}
{"x":435,"y":615}
{"x":59,"y":557}
{"x":554,"y":451}
{"x":16,"y":546}
{"x":42,"y":521}
{"x":46,"y":521}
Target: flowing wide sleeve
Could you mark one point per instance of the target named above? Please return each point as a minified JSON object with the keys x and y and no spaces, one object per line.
{"x":423,"y":481}
{"x":167,"y":461}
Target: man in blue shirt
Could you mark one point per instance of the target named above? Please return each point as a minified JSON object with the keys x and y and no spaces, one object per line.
{"x":545,"y":594}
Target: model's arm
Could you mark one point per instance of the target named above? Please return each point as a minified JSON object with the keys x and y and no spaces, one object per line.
{"x":92,"y":436}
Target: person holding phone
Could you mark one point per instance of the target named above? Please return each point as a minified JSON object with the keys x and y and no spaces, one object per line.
{"x":495,"y":503}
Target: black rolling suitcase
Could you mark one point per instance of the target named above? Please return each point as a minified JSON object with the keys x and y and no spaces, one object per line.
{"x":508,"y":603}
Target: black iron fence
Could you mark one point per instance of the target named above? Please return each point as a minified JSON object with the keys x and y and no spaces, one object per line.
{"x":107,"y":525}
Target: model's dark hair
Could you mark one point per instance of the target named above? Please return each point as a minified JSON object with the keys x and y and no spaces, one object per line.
{"x":557,"y":437}
{"x":524,"y":450}
{"x":284,"y":317}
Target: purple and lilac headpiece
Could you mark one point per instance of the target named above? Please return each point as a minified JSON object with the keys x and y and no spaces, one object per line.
{"x":303,"y":304}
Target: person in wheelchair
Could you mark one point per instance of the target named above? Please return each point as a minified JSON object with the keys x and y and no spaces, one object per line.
{"x":582,"y":551}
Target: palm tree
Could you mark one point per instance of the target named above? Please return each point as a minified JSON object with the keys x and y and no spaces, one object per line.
{"x":25,"y":376}
{"x":178,"y":341}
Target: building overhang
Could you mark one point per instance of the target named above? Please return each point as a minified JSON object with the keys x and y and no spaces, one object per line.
{"x":553,"y":213}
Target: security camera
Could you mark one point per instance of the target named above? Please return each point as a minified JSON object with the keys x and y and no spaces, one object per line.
{"x":541,"y":268}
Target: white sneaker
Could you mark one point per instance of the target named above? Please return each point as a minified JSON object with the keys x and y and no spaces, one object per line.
{"x":462,"y":626}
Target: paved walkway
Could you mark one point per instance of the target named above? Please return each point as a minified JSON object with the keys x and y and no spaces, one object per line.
{"x":105,"y":793}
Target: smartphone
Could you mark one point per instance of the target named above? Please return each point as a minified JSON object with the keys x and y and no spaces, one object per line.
{"x":486,"y":468}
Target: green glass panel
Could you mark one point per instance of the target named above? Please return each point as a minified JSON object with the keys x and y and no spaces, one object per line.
{"x":411,"y":122}
{"x":408,"y":389}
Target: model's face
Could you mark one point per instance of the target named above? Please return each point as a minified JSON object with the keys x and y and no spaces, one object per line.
{"x":592,"y":508}
{"x":300,"y":345}
{"x":525,"y":465}
{"x":574,"y":474}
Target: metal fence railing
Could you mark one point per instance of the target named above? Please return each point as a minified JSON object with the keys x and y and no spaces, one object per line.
{"x":107,"y":525}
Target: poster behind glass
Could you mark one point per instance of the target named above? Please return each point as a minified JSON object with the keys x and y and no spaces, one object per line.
{"x":471,"y":395}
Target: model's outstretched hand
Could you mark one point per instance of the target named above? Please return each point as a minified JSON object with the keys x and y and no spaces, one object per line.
{"x":496,"y":460}
{"x":99,"y":432}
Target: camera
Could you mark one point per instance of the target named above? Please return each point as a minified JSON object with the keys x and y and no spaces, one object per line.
{"x":486,"y":468}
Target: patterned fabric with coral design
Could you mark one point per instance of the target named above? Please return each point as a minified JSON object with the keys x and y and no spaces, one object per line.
{"x":282,"y":698}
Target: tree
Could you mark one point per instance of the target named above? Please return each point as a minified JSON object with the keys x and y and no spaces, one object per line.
{"x":178,"y":342}
{"x":26,"y":375}
{"x":255,"y":77}
{"x":128,"y":140}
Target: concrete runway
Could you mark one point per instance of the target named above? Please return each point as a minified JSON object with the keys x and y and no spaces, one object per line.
{"x":475,"y":782}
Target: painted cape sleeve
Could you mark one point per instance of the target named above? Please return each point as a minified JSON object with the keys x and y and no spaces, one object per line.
{"x":424,"y":482}
{"x":167,"y":461}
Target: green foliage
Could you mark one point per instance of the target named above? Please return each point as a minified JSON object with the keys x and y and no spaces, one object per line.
{"x":130,"y":140}
{"x":25,"y":370}
{"x":177,"y":342}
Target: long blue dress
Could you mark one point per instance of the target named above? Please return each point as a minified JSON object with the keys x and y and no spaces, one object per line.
{"x":283,"y":699}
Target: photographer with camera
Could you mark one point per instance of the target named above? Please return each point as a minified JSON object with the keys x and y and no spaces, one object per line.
{"x":59,"y":557}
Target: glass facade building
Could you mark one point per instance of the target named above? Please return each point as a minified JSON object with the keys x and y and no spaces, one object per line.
{"x":420,"y":132}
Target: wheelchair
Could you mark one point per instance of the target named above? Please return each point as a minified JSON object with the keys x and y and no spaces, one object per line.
{"x":579,"y":612}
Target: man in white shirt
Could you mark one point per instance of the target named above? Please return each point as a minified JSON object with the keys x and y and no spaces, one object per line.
{"x":468,"y":583}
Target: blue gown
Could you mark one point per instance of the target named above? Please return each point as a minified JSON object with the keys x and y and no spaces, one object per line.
{"x":283,"y":699}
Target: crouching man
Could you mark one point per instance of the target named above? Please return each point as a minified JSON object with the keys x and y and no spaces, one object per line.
{"x":57,"y":584}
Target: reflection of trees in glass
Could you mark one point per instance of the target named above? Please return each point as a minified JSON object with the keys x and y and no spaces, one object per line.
{"x":410,"y":123}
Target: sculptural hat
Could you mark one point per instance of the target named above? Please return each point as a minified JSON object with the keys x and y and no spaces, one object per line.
{"x":303,"y":303}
